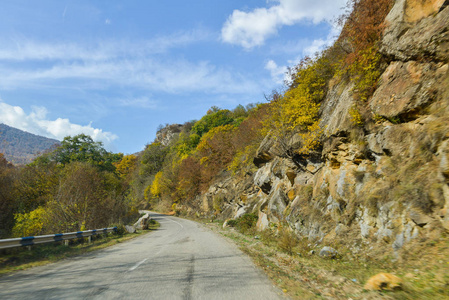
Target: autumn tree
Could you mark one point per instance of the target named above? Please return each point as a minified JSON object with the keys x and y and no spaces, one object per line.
{"x":84,"y":198}
{"x":7,"y":205}
{"x":216,"y":150}
{"x":189,"y":180}
{"x":126,"y":166}
{"x":153,"y":158}
{"x":364,"y":23}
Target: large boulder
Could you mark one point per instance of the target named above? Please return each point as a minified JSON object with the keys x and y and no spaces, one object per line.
{"x":423,"y":24}
{"x":335,"y":108}
{"x":264,"y":178}
{"x":262,"y":221}
{"x":404,"y":88}
{"x":142,"y":223}
{"x":278,"y":201}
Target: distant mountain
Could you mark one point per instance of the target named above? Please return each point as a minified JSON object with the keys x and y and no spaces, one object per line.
{"x":21,"y":147}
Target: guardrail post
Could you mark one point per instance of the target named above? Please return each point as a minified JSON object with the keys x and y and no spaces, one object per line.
{"x":89,"y":239}
{"x":66,"y":242}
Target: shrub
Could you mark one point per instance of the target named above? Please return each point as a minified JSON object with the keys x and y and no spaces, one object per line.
{"x":247,"y":222}
{"x":287,"y":240}
{"x":356,"y":117}
{"x":29,"y":224}
{"x":232,"y":223}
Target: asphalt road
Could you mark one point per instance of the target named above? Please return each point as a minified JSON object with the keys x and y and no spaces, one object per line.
{"x":181,"y":260}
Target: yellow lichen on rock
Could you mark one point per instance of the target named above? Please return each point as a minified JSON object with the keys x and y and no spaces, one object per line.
{"x":383,"y":281}
{"x":291,"y":194}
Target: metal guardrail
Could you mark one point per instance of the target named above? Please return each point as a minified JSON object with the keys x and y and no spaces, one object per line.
{"x":40,"y":239}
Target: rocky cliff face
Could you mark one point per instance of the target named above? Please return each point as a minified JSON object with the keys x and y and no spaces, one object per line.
{"x":385,"y":181}
{"x":166,"y":134}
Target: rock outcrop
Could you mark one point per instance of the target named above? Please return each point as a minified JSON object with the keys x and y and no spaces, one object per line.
{"x":166,"y":134}
{"x":385,"y":182}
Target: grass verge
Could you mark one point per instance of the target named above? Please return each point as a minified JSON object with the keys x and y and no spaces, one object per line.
{"x":15,"y":259}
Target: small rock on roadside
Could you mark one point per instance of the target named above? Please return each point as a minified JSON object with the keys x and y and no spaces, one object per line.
{"x":328,"y":252}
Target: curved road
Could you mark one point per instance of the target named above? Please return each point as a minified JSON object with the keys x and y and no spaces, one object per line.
{"x":181,"y":260}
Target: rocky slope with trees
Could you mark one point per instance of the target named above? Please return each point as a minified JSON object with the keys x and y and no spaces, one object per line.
{"x":353,"y":153}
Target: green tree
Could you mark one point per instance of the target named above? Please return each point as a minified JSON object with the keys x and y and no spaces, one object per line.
{"x":214,"y":119}
{"x":82,"y":148}
{"x":153,"y":159}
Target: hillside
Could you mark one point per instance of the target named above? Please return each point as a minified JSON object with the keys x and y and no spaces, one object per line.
{"x":353,"y":154}
{"x":20,"y":147}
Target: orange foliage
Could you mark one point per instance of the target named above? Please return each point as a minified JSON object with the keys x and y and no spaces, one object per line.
{"x":189,"y":179}
{"x":363,"y":26}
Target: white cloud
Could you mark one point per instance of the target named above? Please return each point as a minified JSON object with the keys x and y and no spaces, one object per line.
{"x":278,"y":73}
{"x":36,"y":122}
{"x":142,"y":102}
{"x":30,"y":50}
{"x":174,"y":76}
{"x":72,"y":66}
{"x":320,"y":44}
{"x":305,"y":47}
{"x":250,"y":29}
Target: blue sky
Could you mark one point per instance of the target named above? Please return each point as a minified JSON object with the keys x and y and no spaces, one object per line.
{"x":117,"y":69}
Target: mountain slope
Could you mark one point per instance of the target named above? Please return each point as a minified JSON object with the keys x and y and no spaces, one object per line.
{"x":20,"y":147}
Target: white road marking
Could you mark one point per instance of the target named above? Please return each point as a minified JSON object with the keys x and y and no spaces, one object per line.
{"x":138,"y":264}
{"x":175,"y":222}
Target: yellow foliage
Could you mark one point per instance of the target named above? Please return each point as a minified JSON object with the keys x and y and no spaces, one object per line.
{"x":365,"y":72}
{"x":356,"y":117}
{"x":243,"y":158}
{"x":297,"y":110}
{"x":29,"y":224}
{"x":206,"y":138}
{"x":311,"y":139}
{"x":155,"y":187}
{"x":126,"y":165}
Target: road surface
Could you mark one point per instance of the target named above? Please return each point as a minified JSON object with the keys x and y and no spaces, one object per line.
{"x":181,"y":260}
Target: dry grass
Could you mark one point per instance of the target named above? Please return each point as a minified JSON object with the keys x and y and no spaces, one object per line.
{"x":304,"y":276}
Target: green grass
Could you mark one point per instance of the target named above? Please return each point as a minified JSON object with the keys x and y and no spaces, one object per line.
{"x":15,"y":259}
